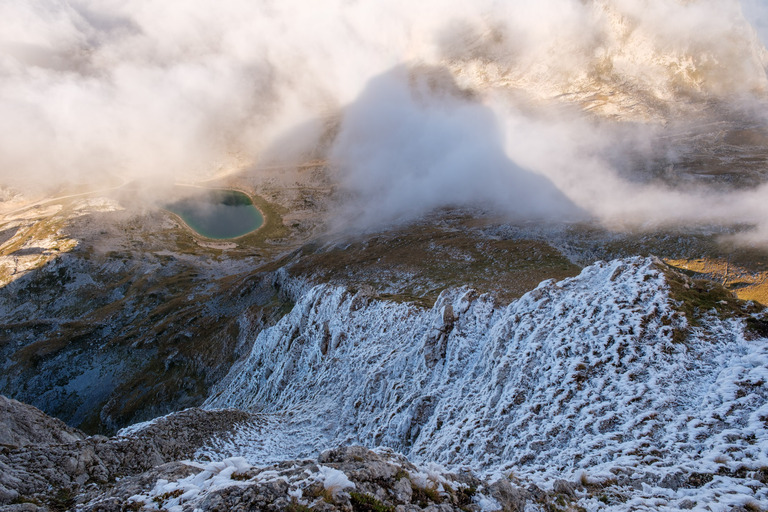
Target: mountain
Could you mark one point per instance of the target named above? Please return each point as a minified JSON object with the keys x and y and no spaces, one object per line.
{"x":80,"y":316}
{"x":627,"y":386}
{"x":601,"y":375}
{"x":513,"y":256}
{"x":143,"y":470}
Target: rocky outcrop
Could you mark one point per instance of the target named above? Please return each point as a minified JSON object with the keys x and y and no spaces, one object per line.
{"x":50,"y":460}
{"x":609,"y":374}
{"x":163,"y":465}
{"x":343,"y":479}
{"x":22,"y":425}
{"x":50,"y":466}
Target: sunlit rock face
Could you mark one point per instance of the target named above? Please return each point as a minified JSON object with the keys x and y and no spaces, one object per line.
{"x":619,"y":59}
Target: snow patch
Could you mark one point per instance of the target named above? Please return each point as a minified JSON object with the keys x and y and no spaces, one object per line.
{"x":335,"y":481}
{"x":172,"y":496}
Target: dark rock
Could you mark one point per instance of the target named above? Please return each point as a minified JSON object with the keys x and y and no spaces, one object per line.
{"x":43,"y":455}
{"x":536,"y":493}
{"x":23,"y":507}
{"x":673,"y":481}
{"x":6,"y":495}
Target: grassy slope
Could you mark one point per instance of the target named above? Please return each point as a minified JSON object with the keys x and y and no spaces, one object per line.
{"x":748,"y":280}
{"x":416,"y":263}
{"x":125,"y":316}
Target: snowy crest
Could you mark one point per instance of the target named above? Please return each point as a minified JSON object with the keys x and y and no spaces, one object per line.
{"x":582,"y":374}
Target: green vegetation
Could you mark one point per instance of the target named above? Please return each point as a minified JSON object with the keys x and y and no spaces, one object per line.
{"x":164,"y":349}
{"x":401,"y":473}
{"x":264,"y":243}
{"x":272,"y":229}
{"x":744,"y":273}
{"x":464,"y":495}
{"x":156,"y":316}
{"x":294,"y":506}
{"x":172,"y":329}
{"x":161,"y":499}
{"x":20,"y":500}
{"x":367,"y":503}
{"x":424,"y":496}
{"x":62,"y":500}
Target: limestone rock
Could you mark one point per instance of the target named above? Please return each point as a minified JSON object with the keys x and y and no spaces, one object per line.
{"x":22,"y":425}
{"x":42,"y":456}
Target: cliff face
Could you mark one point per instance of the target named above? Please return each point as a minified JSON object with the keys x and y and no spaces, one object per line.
{"x":102,"y":341}
{"x":615,"y":59}
{"x":125,"y":317}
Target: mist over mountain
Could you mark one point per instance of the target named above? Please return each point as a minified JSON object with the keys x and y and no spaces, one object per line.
{"x":524,"y":240}
{"x":574,"y":92}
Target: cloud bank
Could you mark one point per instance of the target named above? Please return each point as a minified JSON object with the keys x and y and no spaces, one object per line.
{"x":532,"y":108}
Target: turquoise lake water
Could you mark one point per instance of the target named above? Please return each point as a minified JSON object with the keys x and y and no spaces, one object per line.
{"x":218,"y":214}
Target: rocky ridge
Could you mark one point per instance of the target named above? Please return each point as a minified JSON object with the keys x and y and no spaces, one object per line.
{"x":148,"y":468}
{"x":627,"y":373}
{"x":562,"y":400}
{"x":48,"y":463}
{"x":33,"y":427}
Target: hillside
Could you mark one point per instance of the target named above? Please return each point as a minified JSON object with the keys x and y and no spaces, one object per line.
{"x":510,"y":256}
{"x":616,"y":380}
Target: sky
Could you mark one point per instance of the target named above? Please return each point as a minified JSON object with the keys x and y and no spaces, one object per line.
{"x":532,"y":108}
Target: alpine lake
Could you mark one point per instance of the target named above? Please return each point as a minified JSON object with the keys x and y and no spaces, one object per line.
{"x":218,"y":214}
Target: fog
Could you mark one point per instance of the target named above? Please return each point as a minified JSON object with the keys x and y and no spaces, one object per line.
{"x":539,"y":110}
{"x":412,"y":143}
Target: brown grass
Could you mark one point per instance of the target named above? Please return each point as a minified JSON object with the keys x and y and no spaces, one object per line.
{"x":745,"y":283}
{"x":698,"y":298}
{"x":417,"y":263}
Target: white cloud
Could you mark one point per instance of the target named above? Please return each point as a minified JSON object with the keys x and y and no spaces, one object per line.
{"x":171,"y":90}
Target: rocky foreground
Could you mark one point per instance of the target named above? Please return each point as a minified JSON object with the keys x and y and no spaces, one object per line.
{"x":46,"y":465}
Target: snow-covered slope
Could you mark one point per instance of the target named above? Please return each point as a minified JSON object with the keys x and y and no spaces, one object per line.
{"x":584,"y":375}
